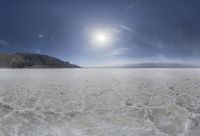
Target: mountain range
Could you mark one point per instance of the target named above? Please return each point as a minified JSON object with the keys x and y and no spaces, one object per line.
{"x":30,"y":60}
{"x":158,"y":65}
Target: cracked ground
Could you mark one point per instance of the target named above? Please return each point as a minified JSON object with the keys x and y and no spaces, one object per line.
{"x":99,"y":102}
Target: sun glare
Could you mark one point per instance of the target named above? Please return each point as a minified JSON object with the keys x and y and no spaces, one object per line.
{"x":101,"y":37}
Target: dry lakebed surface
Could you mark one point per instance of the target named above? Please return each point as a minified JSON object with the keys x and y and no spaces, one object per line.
{"x":100,"y":102}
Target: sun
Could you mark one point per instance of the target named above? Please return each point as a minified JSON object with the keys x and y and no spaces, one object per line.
{"x":102,"y":37}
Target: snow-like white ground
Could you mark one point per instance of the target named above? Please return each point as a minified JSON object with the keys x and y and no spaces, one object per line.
{"x":99,"y":102}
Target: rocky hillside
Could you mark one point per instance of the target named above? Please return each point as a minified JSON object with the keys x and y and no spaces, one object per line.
{"x":30,"y":60}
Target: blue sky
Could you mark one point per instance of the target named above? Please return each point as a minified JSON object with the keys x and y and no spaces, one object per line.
{"x":142,"y":30}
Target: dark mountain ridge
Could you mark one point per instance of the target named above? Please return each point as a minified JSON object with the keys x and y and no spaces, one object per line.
{"x":31,"y":60}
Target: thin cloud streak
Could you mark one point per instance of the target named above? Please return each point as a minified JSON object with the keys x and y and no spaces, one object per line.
{"x":126,"y":28}
{"x":117,"y":52}
{"x":5,"y":44}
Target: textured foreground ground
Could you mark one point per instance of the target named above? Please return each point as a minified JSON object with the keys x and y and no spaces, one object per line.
{"x":100,"y":102}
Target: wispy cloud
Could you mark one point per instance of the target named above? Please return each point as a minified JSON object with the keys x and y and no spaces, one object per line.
{"x":126,"y":28}
{"x":117,"y":52}
{"x":3,"y":43}
{"x":157,"y":43}
{"x":132,"y":6}
{"x":37,"y":50}
{"x":41,"y":36}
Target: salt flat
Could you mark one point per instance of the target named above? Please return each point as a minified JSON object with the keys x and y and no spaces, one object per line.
{"x":99,"y":102}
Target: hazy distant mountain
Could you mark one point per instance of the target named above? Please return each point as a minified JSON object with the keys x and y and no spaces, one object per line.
{"x":30,"y":60}
{"x":158,"y":65}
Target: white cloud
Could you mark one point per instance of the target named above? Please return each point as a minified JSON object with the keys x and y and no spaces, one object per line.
{"x":117,"y":52}
{"x":131,"y":7}
{"x":157,"y":43}
{"x":126,"y":28}
{"x":40,"y":36}
{"x":37,"y":50}
{"x":4,"y":43}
